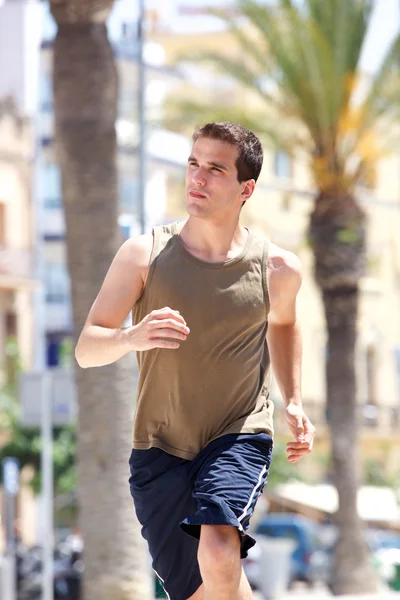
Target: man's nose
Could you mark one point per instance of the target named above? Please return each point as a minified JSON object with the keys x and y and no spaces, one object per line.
{"x":199,"y":177}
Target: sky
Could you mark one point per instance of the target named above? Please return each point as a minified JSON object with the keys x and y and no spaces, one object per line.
{"x":385,"y":26}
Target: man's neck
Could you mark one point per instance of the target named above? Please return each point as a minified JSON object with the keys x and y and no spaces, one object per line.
{"x":212,"y":242}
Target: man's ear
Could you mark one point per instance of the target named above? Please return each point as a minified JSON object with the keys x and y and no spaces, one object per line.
{"x":248,"y":189}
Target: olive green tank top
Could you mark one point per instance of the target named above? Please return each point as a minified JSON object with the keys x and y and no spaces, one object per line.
{"x":216,"y":382}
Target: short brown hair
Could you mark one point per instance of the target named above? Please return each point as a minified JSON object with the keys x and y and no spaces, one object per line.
{"x":250,"y":159}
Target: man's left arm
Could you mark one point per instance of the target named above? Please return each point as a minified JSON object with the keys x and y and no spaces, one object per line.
{"x":285,"y":347}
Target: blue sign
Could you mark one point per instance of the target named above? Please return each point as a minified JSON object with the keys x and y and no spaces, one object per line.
{"x":11,"y":476}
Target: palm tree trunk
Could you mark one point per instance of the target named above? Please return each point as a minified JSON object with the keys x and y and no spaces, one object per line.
{"x":338,"y":240}
{"x":85,"y":93}
{"x":352,"y":569}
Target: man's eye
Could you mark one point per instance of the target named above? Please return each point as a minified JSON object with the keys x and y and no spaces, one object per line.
{"x":216,"y":169}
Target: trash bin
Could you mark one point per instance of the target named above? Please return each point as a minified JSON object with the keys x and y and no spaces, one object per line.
{"x":388,"y":562}
{"x":394,"y":582}
{"x":275,"y":565}
{"x":7,"y":578}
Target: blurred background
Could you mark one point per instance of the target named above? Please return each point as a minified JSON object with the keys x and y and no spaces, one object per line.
{"x":172,"y":66}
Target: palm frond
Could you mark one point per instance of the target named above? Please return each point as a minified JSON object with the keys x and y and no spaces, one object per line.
{"x":302,"y":61}
{"x":384,"y":91}
{"x":239,"y":70}
{"x":344,"y":25}
{"x":184,"y":113}
{"x":288,"y":54}
{"x":235,"y":68}
{"x":302,"y":58}
{"x":368,"y":115}
{"x":252,"y":49}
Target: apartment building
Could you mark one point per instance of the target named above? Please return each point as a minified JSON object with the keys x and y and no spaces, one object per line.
{"x":279,"y":208}
{"x":160,"y":79}
{"x":17,"y":259}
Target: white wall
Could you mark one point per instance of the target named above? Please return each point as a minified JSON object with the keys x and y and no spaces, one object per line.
{"x":20,"y":37}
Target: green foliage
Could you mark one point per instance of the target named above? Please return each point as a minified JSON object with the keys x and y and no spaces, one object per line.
{"x":24,"y":443}
{"x":375,"y":473}
{"x":66,"y":352}
{"x":350,"y":235}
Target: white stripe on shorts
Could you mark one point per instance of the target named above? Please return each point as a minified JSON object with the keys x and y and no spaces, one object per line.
{"x":244,"y":514}
{"x":162,"y":581}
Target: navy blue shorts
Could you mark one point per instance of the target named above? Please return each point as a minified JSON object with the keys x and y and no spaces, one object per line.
{"x":173,"y":497}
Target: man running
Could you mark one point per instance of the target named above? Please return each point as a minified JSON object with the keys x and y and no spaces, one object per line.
{"x":213,"y":304}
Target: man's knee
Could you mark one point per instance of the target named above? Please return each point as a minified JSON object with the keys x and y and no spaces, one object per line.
{"x":219,"y":552}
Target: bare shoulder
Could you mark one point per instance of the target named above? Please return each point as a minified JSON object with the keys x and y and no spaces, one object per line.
{"x":136,"y":251}
{"x":283,"y":262}
{"x":283,"y":270}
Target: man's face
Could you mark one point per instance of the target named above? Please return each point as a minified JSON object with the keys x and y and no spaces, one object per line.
{"x":212,"y":187}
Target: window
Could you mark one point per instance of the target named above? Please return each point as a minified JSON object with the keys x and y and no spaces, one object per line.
{"x":48,"y":24}
{"x":126,"y":103}
{"x":59,"y":350}
{"x":125,"y":232}
{"x":51,"y":185}
{"x":367,"y":372}
{"x":371,"y":372}
{"x":128,"y":194}
{"x":283,"y":164}
{"x":46,"y":93}
{"x":57,"y":283}
{"x":2,"y":224}
{"x":286,"y":201}
{"x":129,"y":31}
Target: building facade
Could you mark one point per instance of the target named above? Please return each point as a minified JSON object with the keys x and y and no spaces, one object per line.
{"x":18,"y":282}
{"x":17,"y":258}
{"x":280,"y":208}
{"x":160,"y":80}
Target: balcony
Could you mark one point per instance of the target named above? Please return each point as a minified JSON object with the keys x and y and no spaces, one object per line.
{"x":16,"y":269}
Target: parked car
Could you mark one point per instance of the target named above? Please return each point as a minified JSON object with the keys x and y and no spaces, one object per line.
{"x":312,"y":558}
{"x":301,"y":530}
{"x":381,"y":543}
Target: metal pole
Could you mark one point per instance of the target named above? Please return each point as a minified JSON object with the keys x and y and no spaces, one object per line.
{"x":11,"y":548}
{"x":47,"y":486}
{"x":38,"y":226}
{"x":142,"y":120}
{"x":10,"y":489}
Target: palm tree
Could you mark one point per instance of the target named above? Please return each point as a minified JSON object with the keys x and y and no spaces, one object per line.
{"x":300,"y":63}
{"x":85,"y":105}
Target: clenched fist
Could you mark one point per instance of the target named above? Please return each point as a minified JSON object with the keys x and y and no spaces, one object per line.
{"x":163,"y":328}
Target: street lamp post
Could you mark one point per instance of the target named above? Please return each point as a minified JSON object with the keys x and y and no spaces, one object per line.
{"x":142,"y":120}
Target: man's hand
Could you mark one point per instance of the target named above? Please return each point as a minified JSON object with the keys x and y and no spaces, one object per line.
{"x":303,"y":432}
{"x":163,"y":328}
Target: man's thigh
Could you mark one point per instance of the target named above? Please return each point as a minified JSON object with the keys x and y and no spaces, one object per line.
{"x":231,"y":475}
{"x":162,"y":494}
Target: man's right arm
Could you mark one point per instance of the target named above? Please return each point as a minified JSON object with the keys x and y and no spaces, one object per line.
{"x":103,"y":340}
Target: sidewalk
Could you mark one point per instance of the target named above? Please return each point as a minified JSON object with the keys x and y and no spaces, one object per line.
{"x":303,"y":593}
{"x":324,"y":596}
